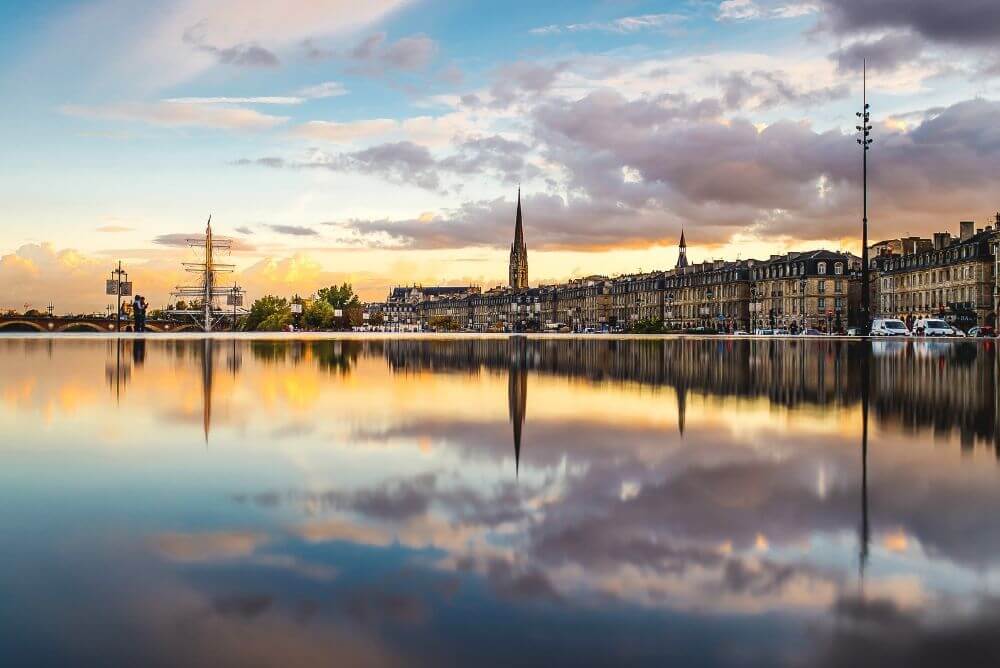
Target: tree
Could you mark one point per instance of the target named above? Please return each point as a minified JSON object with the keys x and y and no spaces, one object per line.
{"x":182,"y":305}
{"x":339,"y":297}
{"x":274,"y":312}
{"x":442,"y":323}
{"x":318,"y":314}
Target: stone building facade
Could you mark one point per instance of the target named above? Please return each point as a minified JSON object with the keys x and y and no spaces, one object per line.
{"x":817,"y":289}
{"x":950,"y":277}
{"x":710,"y":294}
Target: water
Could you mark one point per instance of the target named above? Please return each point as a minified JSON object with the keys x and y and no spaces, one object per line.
{"x":498,"y":501}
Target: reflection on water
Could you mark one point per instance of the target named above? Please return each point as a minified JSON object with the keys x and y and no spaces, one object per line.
{"x":365,"y":501}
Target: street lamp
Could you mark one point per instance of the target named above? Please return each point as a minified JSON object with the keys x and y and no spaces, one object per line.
{"x":865,"y":142}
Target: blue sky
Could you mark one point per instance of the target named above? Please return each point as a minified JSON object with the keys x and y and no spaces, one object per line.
{"x":384,"y":144}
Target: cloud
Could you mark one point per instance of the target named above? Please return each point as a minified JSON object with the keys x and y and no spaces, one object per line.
{"x":745,"y":10}
{"x":523,"y":79}
{"x":242,"y":55}
{"x":318,"y":91}
{"x":410,"y":163}
{"x":725,"y":176}
{"x":958,"y":22}
{"x":74,"y":282}
{"x":738,"y":10}
{"x":294,"y":230}
{"x":303,"y":274}
{"x":144,"y":49}
{"x":884,"y":54}
{"x":179,"y":114}
{"x":345,"y":132}
{"x":376,"y":55}
{"x":182,"y":239}
{"x":626,"y":24}
{"x":767,"y":90}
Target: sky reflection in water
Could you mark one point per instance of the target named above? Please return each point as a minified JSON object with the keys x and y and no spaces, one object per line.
{"x":374,"y":502}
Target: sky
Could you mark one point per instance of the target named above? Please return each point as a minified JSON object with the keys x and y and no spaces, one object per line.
{"x":384,"y":143}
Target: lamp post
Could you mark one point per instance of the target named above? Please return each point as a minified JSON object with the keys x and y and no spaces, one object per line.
{"x":119,"y":286}
{"x":865,"y":142}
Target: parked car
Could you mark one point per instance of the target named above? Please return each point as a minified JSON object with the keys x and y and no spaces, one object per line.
{"x":934,"y":327}
{"x":781,"y":332}
{"x":740,"y":332}
{"x":763,"y":332}
{"x":982,"y":331}
{"x":889,"y":327}
{"x":809,"y":331}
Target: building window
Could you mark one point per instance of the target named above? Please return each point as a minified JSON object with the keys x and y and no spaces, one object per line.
{"x":821,"y":268}
{"x":838,"y":268}
{"x":821,"y":303}
{"x":837,"y":286}
{"x":821,"y":287}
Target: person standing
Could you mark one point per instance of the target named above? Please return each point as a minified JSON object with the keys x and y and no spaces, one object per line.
{"x":139,"y":309}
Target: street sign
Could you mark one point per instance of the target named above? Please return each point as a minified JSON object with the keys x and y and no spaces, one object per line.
{"x":338,"y":313}
{"x":234,"y":300}
{"x":126,"y":288}
{"x":111,"y":287}
{"x":296,"y":308}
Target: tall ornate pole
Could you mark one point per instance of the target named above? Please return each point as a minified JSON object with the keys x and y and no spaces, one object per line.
{"x":865,"y":142}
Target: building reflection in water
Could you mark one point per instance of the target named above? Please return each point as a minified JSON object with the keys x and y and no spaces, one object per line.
{"x":755,"y":515}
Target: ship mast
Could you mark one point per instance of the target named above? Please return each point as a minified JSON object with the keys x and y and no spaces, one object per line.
{"x":207,"y":287}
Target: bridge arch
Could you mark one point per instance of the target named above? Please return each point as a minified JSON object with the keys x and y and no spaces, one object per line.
{"x":81,"y":326}
{"x":21,"y":326}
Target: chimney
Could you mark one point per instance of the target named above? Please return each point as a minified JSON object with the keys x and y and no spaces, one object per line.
{"x":967,"y":228}
{"x":941,"y":240}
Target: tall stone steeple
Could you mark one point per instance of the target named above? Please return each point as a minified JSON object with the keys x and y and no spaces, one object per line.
{"x":682,"y":252}
{"x":518,"y":253}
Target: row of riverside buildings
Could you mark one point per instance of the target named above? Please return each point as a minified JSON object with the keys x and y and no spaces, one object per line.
{"x":951,"y":277}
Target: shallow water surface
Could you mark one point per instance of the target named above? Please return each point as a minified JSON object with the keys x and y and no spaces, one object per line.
{"x":529,"y":501}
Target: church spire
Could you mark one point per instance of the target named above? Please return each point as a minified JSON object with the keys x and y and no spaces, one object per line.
{"x":682,"y":250}
{"x":518,"y":253}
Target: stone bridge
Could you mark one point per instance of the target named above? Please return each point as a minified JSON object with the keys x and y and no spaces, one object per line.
{"x":44,"y":323}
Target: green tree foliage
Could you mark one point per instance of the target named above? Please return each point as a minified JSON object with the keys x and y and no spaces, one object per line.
{"x":338,"y":297}
{"x":269,"y":314}
{"x":651,"y":326}
{"x":318,"y":314}
{"x":443,"y":323}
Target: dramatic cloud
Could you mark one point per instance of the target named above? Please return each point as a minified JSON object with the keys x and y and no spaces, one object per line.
{"x":639,"y":169}
{"x":180,"y":114}
{"x":957,"y":22}
{"x":885,"y":53}
{"x":410,"y":163}
{"x":39,"y":273}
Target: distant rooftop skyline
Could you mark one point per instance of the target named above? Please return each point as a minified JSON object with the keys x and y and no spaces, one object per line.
{"x":383,"y":144}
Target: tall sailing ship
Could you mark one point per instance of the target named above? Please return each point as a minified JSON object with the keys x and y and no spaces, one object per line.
{"x":202,"y":299}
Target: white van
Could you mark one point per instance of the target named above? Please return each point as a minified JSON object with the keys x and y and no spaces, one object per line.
{"x":889,"y":327}
{"x":933,"y":327}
